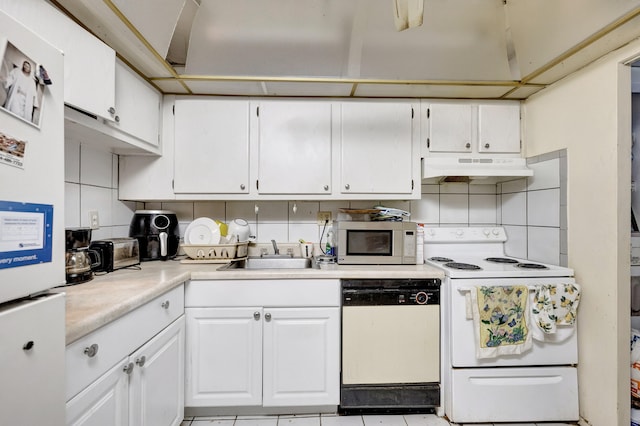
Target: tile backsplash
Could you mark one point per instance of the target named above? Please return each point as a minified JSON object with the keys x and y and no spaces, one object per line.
{"x":91,"y":184}
{"x":533,"y":210}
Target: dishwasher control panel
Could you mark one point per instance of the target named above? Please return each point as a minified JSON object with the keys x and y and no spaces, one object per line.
{"x":372,"y":292}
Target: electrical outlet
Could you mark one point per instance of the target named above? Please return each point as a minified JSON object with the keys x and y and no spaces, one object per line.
{"x":94,"y":220}
{"x":324,"y":217}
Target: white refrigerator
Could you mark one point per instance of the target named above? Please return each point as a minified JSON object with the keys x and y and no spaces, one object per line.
{"x":32,"y":331}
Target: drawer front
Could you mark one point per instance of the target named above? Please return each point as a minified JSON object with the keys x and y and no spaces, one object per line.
{"x":91,"y":356}
{"x":490,"y":395}
{"x":276,"y":293}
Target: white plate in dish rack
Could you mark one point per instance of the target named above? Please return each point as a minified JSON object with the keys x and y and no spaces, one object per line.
{"x":202,"y":231}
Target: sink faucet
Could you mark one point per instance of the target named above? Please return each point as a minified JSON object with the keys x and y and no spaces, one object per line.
{"x":276,"y":250}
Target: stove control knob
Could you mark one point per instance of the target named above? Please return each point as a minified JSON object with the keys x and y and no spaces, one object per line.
{"x":495,"y":231}
{"x":459,"y":232}
{"x":486,"y":232}
{"x":422,"y":298}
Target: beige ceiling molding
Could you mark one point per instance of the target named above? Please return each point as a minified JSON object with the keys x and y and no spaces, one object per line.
{"x":104,"y":15}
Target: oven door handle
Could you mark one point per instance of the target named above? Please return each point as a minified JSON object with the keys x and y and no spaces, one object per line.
{"x":469,"y":289}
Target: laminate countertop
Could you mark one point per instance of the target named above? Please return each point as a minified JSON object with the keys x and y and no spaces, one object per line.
{"x":107,"y":297}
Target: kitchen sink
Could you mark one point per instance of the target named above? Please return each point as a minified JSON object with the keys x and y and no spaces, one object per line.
{"x":270,"y":262}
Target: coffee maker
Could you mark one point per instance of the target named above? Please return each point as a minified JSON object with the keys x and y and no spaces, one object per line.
{"x":157,"y":234}
{"x":79,"y":260}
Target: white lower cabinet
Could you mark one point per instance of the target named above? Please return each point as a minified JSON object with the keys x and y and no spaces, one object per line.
{"x":259,"y":354}
{"x":134,"y":367}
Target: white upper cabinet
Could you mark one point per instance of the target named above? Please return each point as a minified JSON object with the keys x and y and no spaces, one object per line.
{"x":499,"y":128}
{"x":211,"y":146}
{"x":294,"y":147}
{"x":377,"y":148}
{"x":89,"y":72}
{"x":473,"y":128}
{"x":450,"y":127}
{"x":137,"y":106}
{"x":89,"y":64}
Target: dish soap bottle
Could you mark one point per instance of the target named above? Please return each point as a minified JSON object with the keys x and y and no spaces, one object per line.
{"x":329,"y":249}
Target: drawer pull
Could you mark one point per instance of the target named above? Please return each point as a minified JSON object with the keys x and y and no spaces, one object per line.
{"x":140,"y":361}
{"x":91,"y":351}
{"x":165,"y":304}
{"x":267,"y":317}
{"x":256,"y":315}
{"x":28,"y":346}
{"x":128,"y":368}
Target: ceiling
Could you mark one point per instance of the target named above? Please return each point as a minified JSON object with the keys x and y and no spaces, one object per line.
{"x":487,"y":49}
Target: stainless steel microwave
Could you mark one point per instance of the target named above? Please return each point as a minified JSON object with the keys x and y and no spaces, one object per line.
{"x":376,"y":243}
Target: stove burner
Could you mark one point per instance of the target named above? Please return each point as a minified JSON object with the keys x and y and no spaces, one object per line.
{"x":500,"y":260}
{"x":440,"y":259}
{"x":531,"y":266}
{"x":466,"y":266}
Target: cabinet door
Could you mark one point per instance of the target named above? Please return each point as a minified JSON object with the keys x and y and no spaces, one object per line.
{"x":211,"y":146}
{"x":450,"y":128}
{"x":294,"y":143}
{"x":301,"y":356}
{"x":223,"y":357}
{"x":89,"y":73}
{"x":156,"y":388}
{"x":499,"y":128}
{"x":32,"y":359}
{"x":137,"y":106}
{"x":376,"y":154}
{"x":104,"y":402}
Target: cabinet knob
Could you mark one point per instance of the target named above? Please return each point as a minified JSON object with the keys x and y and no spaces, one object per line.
{"x":91,"y":351}
{"x":347,"y":186}
{"x":267,"y":317}
{"x":28,"y":346}
{"x":256,"y":315}
{"x":140,"y":361}
{"x":486,"y":145}
{"x":128,"y":368}
{"x":117,"y":118}
{"x":242,"y":186}
{"x":326,"y":187}
{"x":467,"y":145}
{"x":112,"y":110}
{"x":165,"y":304}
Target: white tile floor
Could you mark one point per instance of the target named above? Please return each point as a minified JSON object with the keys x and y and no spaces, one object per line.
{"x":335,"y":420}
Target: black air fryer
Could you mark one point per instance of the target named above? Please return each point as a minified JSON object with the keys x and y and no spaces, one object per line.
{"x":157,"y":234}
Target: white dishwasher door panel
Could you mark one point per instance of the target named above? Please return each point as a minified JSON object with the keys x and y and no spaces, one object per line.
{"x":488,"y":395}
{"x":390,"y":344}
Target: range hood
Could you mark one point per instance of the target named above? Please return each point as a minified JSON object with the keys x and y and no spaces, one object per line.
{"x":477,"y":170}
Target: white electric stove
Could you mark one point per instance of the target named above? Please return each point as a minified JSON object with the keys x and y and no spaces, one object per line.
{"x":537,"y":385}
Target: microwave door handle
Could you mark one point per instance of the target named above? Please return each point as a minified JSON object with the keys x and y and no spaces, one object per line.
{"x":163,"y":244}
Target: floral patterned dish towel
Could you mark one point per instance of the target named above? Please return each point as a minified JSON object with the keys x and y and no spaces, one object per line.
{"x":500,"y":320}
{"x":553,"y":306}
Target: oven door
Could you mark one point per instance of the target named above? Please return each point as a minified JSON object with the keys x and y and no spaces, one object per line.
{"x":462,"y":342}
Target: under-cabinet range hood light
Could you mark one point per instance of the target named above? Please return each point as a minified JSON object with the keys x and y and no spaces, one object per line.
{"x":473,"y":170}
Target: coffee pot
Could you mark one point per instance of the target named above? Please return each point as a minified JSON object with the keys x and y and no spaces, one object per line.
{"x":79,"y":260}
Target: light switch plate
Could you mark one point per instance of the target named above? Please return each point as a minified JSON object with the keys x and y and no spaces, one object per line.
{"x":94,"y":220}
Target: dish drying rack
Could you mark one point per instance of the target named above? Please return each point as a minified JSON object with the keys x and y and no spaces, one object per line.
{"x":215,"y":253}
